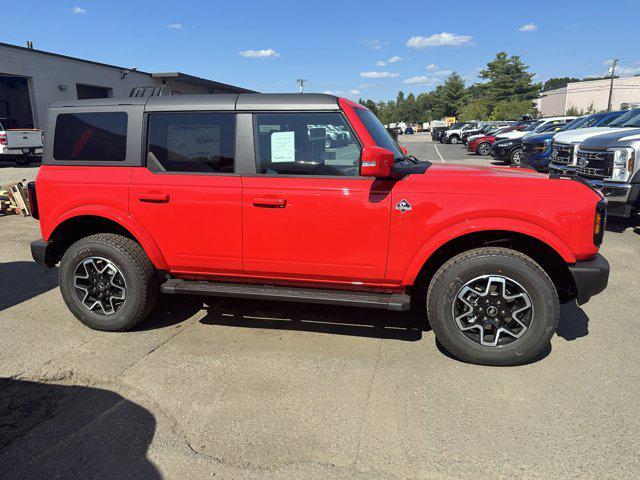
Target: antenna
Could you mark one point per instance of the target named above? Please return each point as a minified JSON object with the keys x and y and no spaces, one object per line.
{"x":301,"y":84}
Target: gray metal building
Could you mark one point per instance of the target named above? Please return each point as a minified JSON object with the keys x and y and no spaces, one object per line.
{"x":30,"y":80}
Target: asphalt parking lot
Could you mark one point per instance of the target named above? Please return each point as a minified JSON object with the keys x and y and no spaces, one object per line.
{"x":261,"y":390}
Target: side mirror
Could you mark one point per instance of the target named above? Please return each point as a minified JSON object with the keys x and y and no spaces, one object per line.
{"x":376,"y":162}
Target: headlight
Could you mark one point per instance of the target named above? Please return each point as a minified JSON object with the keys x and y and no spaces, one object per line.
{"x":507,"y":144}
{"x":541,"y":147}
{"x":623,"y":158}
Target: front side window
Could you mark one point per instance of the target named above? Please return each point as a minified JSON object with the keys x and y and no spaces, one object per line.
{"x":94,"y":136}
{"x":192,"y":142}
{"x":305,"y":144}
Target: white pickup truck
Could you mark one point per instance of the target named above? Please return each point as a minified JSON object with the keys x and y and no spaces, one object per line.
{"x":21,"y":145}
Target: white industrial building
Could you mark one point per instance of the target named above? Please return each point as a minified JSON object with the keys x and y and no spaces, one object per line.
{"x":30,"y":80}
{"x":592,"y":95}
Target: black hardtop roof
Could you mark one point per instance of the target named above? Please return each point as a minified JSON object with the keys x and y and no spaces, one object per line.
{"x":218,"y":101}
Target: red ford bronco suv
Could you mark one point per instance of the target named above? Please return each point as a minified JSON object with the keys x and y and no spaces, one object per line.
{"x":242,"y":196}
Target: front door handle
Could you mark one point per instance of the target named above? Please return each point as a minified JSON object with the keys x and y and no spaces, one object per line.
{"x":153,"y":197}
{"x":269,"y":202}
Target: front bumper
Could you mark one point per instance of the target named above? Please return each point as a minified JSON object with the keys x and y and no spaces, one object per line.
{"x":42,"y":253}
{"x":622,"y":198}
{"x":538,"y":161}
{"x":589,"y":277}
{"x":501,"y":153}
{"x":562,"y":169}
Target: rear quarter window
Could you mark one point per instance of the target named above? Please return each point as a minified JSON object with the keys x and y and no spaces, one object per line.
{"x":91,"y":136}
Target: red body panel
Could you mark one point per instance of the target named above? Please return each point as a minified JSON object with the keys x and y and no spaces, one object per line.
{"x":341,"y":231}
{"x":472,"y":146}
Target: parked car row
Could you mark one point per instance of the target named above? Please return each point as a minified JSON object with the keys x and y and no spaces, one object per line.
{"x":600,"y":148}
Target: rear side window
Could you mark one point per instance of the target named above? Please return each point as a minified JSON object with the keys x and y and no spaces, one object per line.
{"x":95,"y":136}
{"x":193,"y":142}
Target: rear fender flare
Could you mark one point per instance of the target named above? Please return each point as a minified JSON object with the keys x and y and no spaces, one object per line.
{"x":138,"y":232}
{"x":484,"y":225}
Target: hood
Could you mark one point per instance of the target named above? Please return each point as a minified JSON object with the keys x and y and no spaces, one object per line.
{"x":581,"y":134}
{"x":512,"y":134}
{"x":539,"y":137}
{"x":501,"y":141}
{"x":617,"y":138}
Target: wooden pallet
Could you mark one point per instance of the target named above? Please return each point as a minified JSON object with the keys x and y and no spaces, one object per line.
{"x":16,"y":200}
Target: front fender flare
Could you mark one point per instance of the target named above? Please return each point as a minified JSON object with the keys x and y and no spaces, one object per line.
{"x":483,"y":225}
{"x":141,"y":235}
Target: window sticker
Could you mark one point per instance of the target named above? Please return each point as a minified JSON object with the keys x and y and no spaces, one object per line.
{"x":283,"y":147}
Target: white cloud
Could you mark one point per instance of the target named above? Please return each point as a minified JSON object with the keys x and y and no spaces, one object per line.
{"x":420,"y":80}
{"x":266,"y":53}
{"x":529,"y":27}
{"x":175,"y":26}
{"x":432,"y":67}
{"x":394,"y":59}
{"x":78,"y":11}
{"x":366,"y":85}
{"x":380,"y":63}
{"x":443,"y":39}
{"x":378,"y":74}
{"x":372,"y":43}
{"x":354,"y":92}
{"x":333,"y":92}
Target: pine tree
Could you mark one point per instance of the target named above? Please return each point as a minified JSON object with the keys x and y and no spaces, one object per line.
{"x":508,"y":79}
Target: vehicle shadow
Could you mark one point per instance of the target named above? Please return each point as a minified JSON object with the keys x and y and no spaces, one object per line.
{"x":32,"y":164}
{"x":72,"y":432}
{"x":20,"y":281}
{"x":329,"y":319}
{"x":574,"y":323}
{"x":171,"y":310}
{"x":620,"y":225}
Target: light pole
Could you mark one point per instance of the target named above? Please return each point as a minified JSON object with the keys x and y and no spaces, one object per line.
{"x":301,"y":84}
{"x":614,"y":62}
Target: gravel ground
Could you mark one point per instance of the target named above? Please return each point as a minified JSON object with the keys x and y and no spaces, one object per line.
{"x":261,"y":390}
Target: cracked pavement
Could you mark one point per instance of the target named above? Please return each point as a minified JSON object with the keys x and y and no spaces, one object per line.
{"x":259,"y":390}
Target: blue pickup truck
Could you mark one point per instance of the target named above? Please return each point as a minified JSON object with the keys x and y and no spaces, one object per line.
{"x":536,"y":149}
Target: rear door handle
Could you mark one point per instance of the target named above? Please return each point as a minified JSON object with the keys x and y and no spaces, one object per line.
{"x":269,"y":202}
{"x":153,"y":197}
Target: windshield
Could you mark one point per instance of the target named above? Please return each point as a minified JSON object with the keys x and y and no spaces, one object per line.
{"x":633,"y":121}
{"x":607,"y":122}
{"x":378,"y":132}
{"x":532,"y":126}
{"x":625,"y":117}
{"x":581,"y":122}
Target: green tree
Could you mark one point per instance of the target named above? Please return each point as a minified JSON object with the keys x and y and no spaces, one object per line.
{"x":558,"y":82}
{"x":512,"y":109}
{"x":370,"y":104}
{"x":508,"y":79}
{"x":573,"y":111}
{"x":453,"y":93}
{"x":474,"y":110}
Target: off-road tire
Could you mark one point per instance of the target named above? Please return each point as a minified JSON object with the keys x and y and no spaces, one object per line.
{"x":480,"y":148}
{"x":142,"y":284}
{"x":468,"y":265}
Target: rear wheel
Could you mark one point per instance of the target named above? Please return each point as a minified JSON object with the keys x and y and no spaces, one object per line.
{"x":23,"y":160}
{"x":328,"y":143}
{"x":493,"y":306}
{"x":108,"y":282}
{"x":483,"y":149}
{"x":515,"y":157}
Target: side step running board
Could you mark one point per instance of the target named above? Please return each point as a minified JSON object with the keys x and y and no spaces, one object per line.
{"x":390,"y":301}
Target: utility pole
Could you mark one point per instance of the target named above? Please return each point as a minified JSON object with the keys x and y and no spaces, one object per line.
{"x":301,"y":84}
{"x":614,"y":62}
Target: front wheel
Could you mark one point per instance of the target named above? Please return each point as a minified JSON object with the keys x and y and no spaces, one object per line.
{"x":493,"y":306}
{"x":454,"y":140}
{"x":483,"y":149}
{"x":515,"y":158}
{"x":108,"y":282}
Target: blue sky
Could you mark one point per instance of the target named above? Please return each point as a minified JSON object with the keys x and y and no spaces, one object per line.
{"x":367,"y":49}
